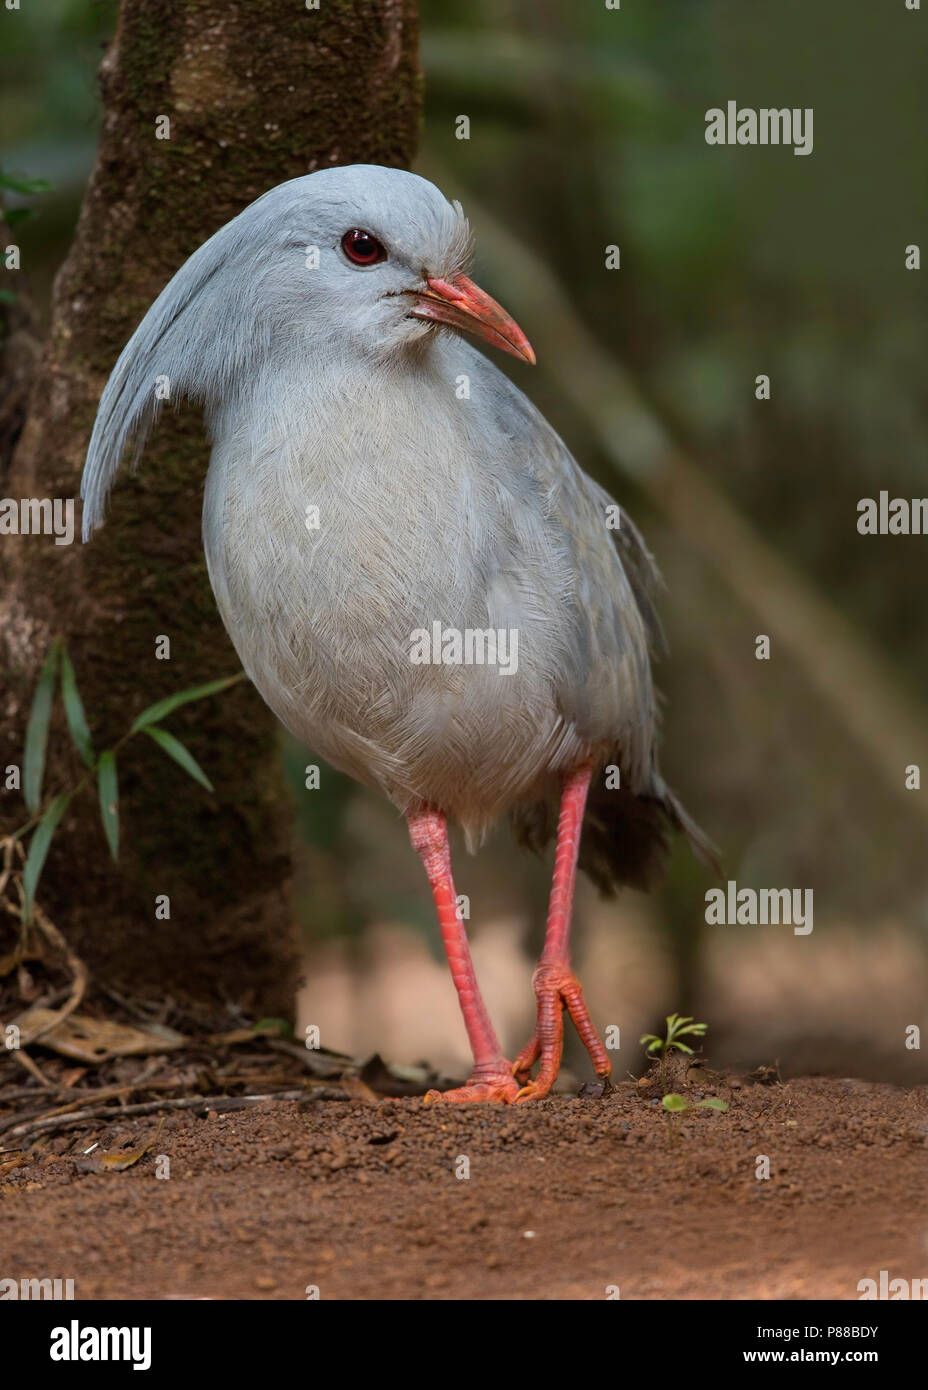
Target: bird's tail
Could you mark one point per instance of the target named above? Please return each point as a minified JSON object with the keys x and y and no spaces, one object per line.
{"x":626,"y":834}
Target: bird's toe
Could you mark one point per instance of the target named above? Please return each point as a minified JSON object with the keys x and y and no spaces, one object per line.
{"x":503,"y":1088}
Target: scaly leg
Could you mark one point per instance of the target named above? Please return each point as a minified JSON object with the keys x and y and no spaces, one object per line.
{"x":556,"y":986}
{"x":492,"y":1077}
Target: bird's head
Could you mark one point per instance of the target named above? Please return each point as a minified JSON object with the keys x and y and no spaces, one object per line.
{"x":353,"y":263}
{"x":372,"y":259}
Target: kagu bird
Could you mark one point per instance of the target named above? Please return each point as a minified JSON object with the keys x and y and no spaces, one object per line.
{"x":374,"y":477}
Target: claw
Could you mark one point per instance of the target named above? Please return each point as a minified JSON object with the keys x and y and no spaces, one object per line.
{"x":502,"y":1089}
{"x":522,"y":1066}
{"x":556,"y":989}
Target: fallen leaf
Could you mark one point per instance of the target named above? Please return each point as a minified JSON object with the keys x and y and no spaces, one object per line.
{"x":95,"y":1040}
{"x":116,"y":1162}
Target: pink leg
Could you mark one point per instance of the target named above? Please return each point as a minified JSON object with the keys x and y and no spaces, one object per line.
{"x":491,"y":1078}
{"x":556,"y":986}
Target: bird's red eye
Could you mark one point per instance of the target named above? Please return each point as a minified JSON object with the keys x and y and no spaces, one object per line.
{"x":362,"y":248}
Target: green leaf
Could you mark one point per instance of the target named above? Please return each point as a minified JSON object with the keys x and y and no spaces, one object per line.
{"x":74,"y":710}
{"x":681,"y":1047}
{"x":24,"y":185}
{"x":713,"y":1103}
{"x":38,"y":849}
{"x":279,"y":1026}
{"x":156,"y":712}
{"x":675,"y":1104}
{"x":37,"y":730}
{"x":176,"y":750}
{"x":108,"y":789}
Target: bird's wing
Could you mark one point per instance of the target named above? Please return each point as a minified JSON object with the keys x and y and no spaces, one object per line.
{"x":606,"y":691}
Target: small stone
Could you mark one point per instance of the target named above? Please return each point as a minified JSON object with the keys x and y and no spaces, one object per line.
{"x":592,"y":1090}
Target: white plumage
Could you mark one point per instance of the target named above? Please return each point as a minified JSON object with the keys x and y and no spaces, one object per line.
{"x":442,"y":495}
{"x":320,"y":391}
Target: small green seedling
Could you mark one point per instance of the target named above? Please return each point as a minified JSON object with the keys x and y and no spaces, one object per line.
{"x":676,"y":1105}
{"x":677,"y":1027}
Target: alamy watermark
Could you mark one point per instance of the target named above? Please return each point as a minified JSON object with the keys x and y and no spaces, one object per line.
{"x":469,"y":646}
{"x":38,"y":516}
{"x":901,"y":1290}
{"x":750,"y":907}
{"x":35,"y":1290}
{"x":892,"y":516}
{"x":767,"y":125}
{"x":77,"y":1343}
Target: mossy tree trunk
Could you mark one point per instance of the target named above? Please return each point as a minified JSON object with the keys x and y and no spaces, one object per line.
{"x":255,"y":94}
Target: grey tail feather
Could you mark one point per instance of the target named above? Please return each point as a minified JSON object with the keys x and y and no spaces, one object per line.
{"x":705,"y":851}
{"x":626,"y":836}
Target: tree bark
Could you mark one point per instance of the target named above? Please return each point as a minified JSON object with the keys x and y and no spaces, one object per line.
{"x":255,"y":94}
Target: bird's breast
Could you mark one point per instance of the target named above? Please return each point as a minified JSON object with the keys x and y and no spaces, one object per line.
{"x":393,"y":591}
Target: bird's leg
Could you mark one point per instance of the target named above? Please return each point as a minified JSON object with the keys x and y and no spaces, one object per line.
{"x":556,"y":986}
{"x":491,"y":1078}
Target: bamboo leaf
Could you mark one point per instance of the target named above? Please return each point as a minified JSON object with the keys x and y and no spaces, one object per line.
{"x":108,"y":789}
{"x":38,"y":849}
{"x":156,"y":712}
{"x":24,"y":185}
{"x":176,"y":750}
{"x":74,"y":710}
{"x":37,"y":730}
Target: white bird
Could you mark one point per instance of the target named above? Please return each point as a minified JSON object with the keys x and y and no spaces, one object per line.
{"x":418,"y":577}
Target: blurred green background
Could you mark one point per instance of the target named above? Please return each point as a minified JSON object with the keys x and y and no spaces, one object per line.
{"x":587,"y":129}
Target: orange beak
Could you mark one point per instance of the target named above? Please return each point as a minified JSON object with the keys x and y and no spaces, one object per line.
{"x":462,"y":304}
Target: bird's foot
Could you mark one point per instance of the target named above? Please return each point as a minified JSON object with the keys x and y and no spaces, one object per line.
{"x":556,"y":989}
{"x":498,"y":1086}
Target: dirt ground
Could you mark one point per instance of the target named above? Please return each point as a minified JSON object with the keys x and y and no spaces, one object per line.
{"x":561,"y":1199}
